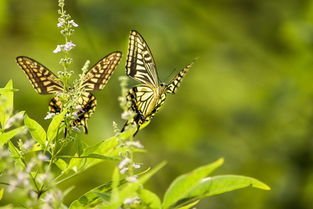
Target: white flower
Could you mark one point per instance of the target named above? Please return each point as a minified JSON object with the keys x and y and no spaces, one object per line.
{"x":135,"y":144}
{"x":16,"y":118}
{"x":58,"y":49}
{"x":132,"y":179}
{"x":61,"y":23}
{"x":30,"y":165}
{"x":68,"y":46}
{"x":126,"y":115}
{"x":137,"y":166}
{"x":49,"y":115}
{"x":22,"y":178}
{"x":74,"y":24}
{"x":132,"y":200}
{"x":124,"y":162}
{"x":4,"y":153}
{"x":27,"y":145}
{"x":12,"y":185}
{"x":123,"y":170}
{"x":42,"y":157}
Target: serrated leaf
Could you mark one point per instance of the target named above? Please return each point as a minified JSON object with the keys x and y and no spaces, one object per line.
{"x":55,"y":125}
{"x":225,"y":183}
{"x":6,"y":103}
{"x":36,"y":130}
{"x":6,"y":136}
{"x":183,"y":184}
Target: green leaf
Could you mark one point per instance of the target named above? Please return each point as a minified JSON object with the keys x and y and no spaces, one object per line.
{"x":14,"y":151}
{"x":1,"y":193}
{"x":36,"y":130}
{"x":103,"y":193}
{"x":188,"y":205}
{"x":6,"y":103}
{"x":55,"y":125}
{"x":91,"y":197}
{"x":131,"y":188}
{"x":150,"y":199}
{"x":76,"y":164}
{"x":183,"y":184}
{"x":9,"y":207}
{"x":6,"y":136}
{"x":62,"y":165}
{"x":224,"y":183}
{"x":16,"y":155}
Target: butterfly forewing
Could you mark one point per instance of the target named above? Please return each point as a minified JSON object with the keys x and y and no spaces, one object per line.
{"x":175,"y":82}
{"x":140,"y":64}
{"x":97,"y":77}
{"x":41,"y":78}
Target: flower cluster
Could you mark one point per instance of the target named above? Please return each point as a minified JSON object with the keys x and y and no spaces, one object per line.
{"x":64,"y":47}
{"x":31,"y":177}
{"x":67,"y":25}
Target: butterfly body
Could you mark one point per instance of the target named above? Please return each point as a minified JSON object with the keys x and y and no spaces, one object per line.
{"x":147,"y":97}
{"x":81,"y":104}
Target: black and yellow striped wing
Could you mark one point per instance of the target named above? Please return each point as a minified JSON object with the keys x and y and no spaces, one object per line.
{"x":86,"y":106}
{"x":175,"y":82}
{"x":140,"y":64}
{"x":42,"y":79}
{"x":143,"y":98}
{"x":97,"y":77}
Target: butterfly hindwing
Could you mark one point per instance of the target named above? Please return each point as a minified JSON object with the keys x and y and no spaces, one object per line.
{"x":42,"y":79}
{"x":175,"y":82}
{"x":85,"y":108}
{"x":97,"y":77}
{"x":140,"y":64}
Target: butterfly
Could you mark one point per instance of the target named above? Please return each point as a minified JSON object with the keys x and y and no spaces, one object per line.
{"x":146,"y":98}
{"x":45,"y":81}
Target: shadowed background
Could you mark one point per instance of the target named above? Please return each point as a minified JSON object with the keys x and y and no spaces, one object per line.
{"x":248,"y":97}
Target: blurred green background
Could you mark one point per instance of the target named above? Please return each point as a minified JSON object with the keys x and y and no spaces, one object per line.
{"x":248,"y":97}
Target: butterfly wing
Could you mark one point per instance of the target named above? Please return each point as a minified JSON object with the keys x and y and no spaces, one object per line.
{"x":42,"y":79}
{"x":85,"y":108}
{"x":175,"y":82}
{"x":97,"y":77}
{"x":140,"y":64}
{"x":144,"y":101}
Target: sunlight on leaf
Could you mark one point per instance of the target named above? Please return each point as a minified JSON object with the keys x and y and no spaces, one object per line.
{"x":36,"y":130}
{"x":182,"y":185}
{"x":150,"y":199}
{"x":92,"y":196}
{"x":225,"y":183}
{"x":1,"y":193}
{"x":6,"y":103}
{"x":55,"y":125}
{"x":5,"y":137}
{"x":62,"y":165}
